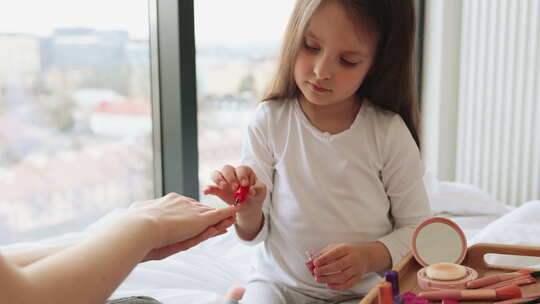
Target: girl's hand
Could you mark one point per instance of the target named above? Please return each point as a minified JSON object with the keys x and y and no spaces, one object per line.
{"x":177,"y":222}
{"x":341,"y":266}
{"x":227,"y":181}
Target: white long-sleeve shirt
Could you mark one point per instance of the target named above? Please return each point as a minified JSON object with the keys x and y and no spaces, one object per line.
{"x":361,"y":185}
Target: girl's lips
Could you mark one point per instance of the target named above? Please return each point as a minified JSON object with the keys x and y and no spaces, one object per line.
{"x":317,"y":88}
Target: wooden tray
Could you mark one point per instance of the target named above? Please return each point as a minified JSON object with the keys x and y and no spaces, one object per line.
{"x":408,"y":268}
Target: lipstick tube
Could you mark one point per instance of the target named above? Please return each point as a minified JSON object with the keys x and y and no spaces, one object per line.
{"x":385,"y":293}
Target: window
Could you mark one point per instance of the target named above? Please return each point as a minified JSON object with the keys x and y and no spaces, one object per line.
{"x":236,"y":57}
{"x":75,"y":113}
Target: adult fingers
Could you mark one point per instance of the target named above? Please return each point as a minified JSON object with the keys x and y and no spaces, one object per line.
{"x":163,"y":252}
{"x":226,"y":223}
{"x":217,"y":215}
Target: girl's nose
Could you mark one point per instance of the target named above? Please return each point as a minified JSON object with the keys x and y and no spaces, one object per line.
{"x":323,"y":68}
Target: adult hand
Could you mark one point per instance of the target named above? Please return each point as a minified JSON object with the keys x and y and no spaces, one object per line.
{"x":227,"y":181}
{"x":179,"y":222}
{"x":163,"y":252}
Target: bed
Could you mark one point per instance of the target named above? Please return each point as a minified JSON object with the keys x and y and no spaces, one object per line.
{"x":204,"y":273}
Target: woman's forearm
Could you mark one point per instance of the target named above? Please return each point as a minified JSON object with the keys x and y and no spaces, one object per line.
{"x":25,"y":258}
{"x":91,"y":271}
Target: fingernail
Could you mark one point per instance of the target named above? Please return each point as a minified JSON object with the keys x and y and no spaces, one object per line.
{"x":221,"y":184}
{"x":244,"y":182}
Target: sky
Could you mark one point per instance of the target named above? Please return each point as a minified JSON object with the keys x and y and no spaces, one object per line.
{"x":216,"y":21}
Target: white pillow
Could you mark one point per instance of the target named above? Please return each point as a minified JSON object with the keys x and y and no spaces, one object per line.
{"x":461,"y":199}
{"x":518,"y":227}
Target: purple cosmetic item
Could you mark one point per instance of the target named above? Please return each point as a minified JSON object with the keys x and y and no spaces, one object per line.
{"x":392,"y":277}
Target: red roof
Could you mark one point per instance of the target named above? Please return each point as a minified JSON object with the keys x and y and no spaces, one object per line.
{"x":124,"y":107}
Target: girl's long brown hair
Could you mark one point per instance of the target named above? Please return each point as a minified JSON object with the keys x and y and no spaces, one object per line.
{"x":391,"y":84}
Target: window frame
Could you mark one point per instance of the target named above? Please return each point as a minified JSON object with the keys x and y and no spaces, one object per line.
{"x":174,"y":97}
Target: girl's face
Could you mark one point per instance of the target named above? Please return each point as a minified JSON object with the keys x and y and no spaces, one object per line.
{"x":335,"y":56}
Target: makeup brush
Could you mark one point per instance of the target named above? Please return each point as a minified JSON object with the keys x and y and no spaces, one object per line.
{"x":518,"y":281}
{"x":490,"y":280}
{"x":503,"y":293}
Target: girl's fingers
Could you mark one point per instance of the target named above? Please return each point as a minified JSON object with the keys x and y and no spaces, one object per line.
{"x":252,"y":177}
{"x":246,"y":176}
{"x":229,"y":174}
{"x":210,"y":190}
{"x":337,"y":277}
{"x":224,"y":194}
{"x":218,"y":179}
{"x":332,"y":266}
{"x":347,"y":284}
{"x":332,"y":254}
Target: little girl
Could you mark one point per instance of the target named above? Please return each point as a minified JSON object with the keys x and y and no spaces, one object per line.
{"x":332,"y":155}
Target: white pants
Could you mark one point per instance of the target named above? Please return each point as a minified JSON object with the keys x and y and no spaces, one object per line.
{"x":264,"y":292}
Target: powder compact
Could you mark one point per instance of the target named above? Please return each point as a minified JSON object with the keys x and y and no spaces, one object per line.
{"x":439,"y":245}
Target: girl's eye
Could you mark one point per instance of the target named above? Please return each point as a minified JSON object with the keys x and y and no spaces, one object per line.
{"x":347,"y":62}
{"x":310,"y":47}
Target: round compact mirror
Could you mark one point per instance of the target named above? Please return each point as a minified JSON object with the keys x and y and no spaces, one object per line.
{"x":438,"y":240}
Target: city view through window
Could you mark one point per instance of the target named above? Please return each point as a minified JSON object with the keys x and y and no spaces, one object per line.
{"x":75,"y":106}
{"x":75,"y":114}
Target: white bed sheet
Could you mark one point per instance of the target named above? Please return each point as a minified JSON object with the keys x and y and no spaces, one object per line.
{"x":520,"y":226}
{"x":201,"y":275}
{"x":471,"y":225}
{"x":204,"y":273}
